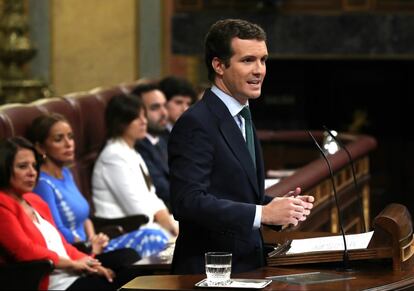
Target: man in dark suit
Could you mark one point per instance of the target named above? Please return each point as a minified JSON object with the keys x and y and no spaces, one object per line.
{"x":215,"y":159}
{"x":153,"y":148}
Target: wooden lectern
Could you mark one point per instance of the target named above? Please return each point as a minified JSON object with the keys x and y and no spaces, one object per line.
{"x":295,"y":150}
{"x":392,"y":239}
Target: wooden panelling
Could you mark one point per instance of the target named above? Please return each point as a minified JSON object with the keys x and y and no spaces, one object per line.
{"x":283,"y":5}
{"x":353,"y":200}
{"x":187,"y":5}
{"x":318,"y":6}
{"x":394,"y":5}
{"x":307,"y":5}
{"x":357,"y":5}
{"x":196,"y":5}
{"x":230,"y":4}
{"x":349,"y":201}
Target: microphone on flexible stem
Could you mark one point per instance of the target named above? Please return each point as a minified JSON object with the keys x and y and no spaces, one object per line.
{"x":345,"y":255}
{"x":352,"y":165}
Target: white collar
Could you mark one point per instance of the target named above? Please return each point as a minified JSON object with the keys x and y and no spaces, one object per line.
{"x":231,"y":103}
{"x":153,"y":139}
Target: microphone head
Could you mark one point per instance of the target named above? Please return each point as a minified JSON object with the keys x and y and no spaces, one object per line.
{"x":329,"y":144}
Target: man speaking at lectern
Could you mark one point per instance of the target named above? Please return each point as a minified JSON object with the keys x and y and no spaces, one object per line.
{"x":216,"y":165}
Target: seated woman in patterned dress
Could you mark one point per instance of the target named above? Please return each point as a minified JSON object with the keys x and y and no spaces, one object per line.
{"x":53,"y":137}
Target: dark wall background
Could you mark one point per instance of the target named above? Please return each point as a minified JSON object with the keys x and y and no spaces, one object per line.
{"x":354,"y":34}
{"x":307,"y":94}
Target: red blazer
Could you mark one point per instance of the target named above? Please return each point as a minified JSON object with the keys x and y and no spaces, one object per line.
{"x":20,"y":238}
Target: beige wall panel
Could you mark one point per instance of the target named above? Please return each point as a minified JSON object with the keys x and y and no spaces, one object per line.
{"x":93,"y":43}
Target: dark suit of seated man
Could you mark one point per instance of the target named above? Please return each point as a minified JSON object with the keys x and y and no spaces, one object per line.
{"x":215,"y":159}
{"x":155,"y":154}
{"x":153,"y":147}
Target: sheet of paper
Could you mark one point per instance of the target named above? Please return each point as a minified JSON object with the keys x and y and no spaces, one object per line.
{"x":311,"y":278}
{"x":330,"y":243}
{"x":279,"y":173}
{"x":270,"y":182}
{"x":238,"y":283}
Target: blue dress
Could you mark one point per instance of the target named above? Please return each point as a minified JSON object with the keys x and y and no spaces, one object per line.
{"x":70,"y":210}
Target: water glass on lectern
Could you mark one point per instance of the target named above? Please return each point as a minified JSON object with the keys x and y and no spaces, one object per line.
{"x":218,"y":268}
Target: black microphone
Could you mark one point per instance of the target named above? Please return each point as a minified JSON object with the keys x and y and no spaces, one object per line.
{"x":352,"y":165}
{"x":345,"y":255}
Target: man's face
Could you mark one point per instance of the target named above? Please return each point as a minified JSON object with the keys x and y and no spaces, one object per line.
{"x":177,"y":105}
{"x":157,"y":114}
{"x":243,"y":77}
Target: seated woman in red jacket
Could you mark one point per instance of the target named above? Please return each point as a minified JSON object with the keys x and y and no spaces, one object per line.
{"x":28,"y":232}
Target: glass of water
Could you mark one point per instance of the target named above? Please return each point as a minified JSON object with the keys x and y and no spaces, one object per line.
{"x":218,"y":268}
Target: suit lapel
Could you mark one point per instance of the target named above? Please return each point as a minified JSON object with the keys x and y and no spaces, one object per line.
{"x":156,"y":153}
{"x":233,"y":137}
{"x":162,"y":154}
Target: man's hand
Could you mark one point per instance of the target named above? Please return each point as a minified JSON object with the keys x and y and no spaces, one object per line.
{"x":289,"y":209}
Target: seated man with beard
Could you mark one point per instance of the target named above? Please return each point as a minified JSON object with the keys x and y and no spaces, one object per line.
{"x":153,"y":148}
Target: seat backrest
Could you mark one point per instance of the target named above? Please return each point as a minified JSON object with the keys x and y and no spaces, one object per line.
{"x":91,"y":111}
{"x":62,"y":106}
{"x":104,"y":95}
{"x":85,"y":111}
{"x":16,"y":118}
{"x":24,"y":275}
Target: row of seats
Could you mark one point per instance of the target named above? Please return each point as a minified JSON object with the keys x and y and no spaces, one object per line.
{"x":85,"y":112}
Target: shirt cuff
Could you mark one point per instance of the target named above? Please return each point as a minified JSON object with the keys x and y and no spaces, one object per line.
{"x":258,"y":217}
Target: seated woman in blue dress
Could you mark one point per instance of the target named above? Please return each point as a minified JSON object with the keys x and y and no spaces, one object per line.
{"x":53,"y":137}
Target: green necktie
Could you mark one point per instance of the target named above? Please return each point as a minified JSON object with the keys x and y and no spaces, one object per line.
{"x":245,"y":113}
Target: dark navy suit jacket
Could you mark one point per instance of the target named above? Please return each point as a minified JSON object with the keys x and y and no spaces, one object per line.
{"x":214,"y":188}
{"x":156,"y":160}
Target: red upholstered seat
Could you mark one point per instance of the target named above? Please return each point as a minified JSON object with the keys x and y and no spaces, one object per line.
{"x":84,"y":110}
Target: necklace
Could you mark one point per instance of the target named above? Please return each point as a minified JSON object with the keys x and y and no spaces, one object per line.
{"x":29,"y":211}
{"x":53,"y":171}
